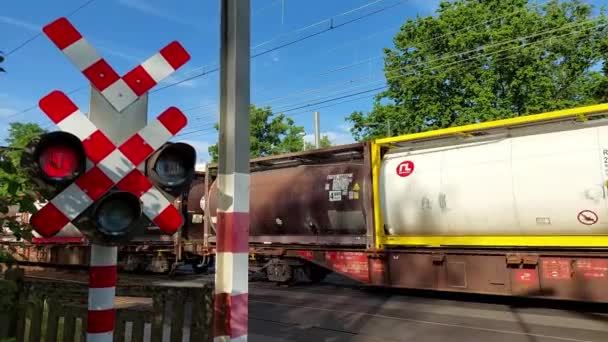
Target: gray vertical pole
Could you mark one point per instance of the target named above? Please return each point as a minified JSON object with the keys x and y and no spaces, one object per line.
{"x":317,"y":131}
{"x":231,"y":278}
{"x":388,"y":128}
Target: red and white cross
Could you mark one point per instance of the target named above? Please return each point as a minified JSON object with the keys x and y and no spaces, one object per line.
{"x":112,"y":166}
{"x":119,"y":91}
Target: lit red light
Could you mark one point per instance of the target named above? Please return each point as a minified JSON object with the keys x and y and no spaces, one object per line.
{"x":59,"y":161}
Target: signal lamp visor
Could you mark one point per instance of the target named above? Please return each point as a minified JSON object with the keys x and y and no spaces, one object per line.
{"x":175,"y":164}
{"x":117,"y":213}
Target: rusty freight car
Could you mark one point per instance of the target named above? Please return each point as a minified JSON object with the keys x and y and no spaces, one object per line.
{"x":509,"y":207}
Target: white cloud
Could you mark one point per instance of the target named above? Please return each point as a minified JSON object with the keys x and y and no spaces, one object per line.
{"x":19,"y":23}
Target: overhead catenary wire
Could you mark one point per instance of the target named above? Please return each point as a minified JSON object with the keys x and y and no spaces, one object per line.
{"x":451,"y":64}
{"x":35,"y":36}
{"x":331,"y":27}
{"x":459,"y":54}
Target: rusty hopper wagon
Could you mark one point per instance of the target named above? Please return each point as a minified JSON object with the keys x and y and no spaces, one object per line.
{"x":509,"y":207}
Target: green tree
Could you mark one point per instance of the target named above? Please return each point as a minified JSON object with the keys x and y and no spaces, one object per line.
{"x":270,"y":134}
{"x":483,"y":60}
{"x":16,"y":190}
{"x":325,"y":142}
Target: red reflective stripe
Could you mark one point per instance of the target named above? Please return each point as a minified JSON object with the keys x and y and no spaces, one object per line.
{"x":62,"y":33}
{"x":230,"y":315}
{"x":100,"y":321}
{"x":49,"y":220}
{"x":102,"y":276}
{"x":97,"y":146}
{"x":57,"y":106}
{"x":58,"y":240}
{"x":135,"y":182}
{"x":232,"y":232}
{"x":94,"y":183}
{"x":136,"y":149}
{"x":139,"y":80}
{"x":175,"y":54}
{"x":101,"y":74}
{"x":169,"y":220}
{"x":173,"y":120}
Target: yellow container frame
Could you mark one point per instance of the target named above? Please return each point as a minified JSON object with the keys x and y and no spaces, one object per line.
{"x":382,"y":240}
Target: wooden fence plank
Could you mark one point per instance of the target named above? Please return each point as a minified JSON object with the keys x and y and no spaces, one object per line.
{"x":137,"y":334}
{"x":158,"y":317}
{"x":36,"y":319}
{"x":22,"y":314}
{"x":119,"y":328}
{"x":202,"y":303}
{"x":52,"y":320}
{"x":69,"y":326}
{"x":177,"y":318}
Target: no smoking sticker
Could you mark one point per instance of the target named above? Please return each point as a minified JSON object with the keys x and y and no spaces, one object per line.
{"x":587,"y":217}
{"x":405,"y":168}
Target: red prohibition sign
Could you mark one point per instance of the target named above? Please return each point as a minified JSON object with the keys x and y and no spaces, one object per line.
{"x":405,"y":168}
{"x":587,"y":217}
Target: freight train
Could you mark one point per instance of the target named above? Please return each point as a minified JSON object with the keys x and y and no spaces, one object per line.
{"x":509,"y":207}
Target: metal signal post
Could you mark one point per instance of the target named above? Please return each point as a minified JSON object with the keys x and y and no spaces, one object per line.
{"x":231,"y":279}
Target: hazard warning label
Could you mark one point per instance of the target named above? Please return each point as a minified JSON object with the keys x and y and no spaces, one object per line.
{"x":405,"y":168}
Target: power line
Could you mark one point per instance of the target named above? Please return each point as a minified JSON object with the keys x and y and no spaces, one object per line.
{"x":28,"y":109}
{"x":330,"y":28}
{"x":459,"y":54}
{"x":451,"y":64}
{"x":207,"y":72}
{"x":32,"y":38}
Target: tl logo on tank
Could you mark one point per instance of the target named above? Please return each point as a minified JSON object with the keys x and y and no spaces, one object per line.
{"x":405,"y":168}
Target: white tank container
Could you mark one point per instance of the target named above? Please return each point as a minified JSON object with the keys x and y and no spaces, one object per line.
{"x":546,"y":179}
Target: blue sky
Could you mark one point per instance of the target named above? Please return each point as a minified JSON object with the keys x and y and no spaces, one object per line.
{"x":126,"y":32}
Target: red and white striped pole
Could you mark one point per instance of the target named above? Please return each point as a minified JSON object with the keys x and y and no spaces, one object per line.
{"x":232,"y":274}
{"x":102,"y":289}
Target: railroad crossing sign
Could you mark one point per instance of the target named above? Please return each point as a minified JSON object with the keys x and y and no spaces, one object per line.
{"x":119,"y":91}
{"x":113,"y":166}
{"x":111,"y":184}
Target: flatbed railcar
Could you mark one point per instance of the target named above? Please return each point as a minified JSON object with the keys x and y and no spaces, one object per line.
{"x":515,"y":207}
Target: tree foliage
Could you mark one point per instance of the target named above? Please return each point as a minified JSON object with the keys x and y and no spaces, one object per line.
{"x":270,"y":134}
{"x":483,"y":60}
{"x":16,"y":190}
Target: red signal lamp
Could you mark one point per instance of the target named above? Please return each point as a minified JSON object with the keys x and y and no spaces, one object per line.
{"x":59,"y":157}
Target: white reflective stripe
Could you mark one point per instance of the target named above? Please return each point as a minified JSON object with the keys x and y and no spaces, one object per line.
{"x":82,"y":54}
{"x":69,"y":230}
{"x":234,"y":183}
{"x":100,"y":337}
{"x":234,"y":276}
{"x":119,"y":95}
{"x":155,"y":134}
{"x":239,"y":339}
{"x":116,"y":166}
{"x":154,"y":202}
{"x":228,"y":339}
{"x":158,"y":67}
{"x":72,"y":201}
{"x":103,"y":255}
{"x":101,"y":298}
{"x":77,"y":124}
